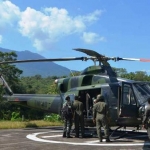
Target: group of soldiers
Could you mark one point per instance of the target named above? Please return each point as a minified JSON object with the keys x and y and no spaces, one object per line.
{"x":100,"y":113}
{"x":100,"y":117}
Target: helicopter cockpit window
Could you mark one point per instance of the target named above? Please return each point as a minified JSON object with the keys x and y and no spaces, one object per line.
{"x":87,"y":80}
{"x":142,"y":90}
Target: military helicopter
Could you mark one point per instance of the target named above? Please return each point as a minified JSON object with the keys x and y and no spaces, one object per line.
{"x":126,"y":99}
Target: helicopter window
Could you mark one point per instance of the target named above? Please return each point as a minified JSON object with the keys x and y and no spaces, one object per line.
{"x":87,"y":80}
{"x":128,"y":106}
{"x":62,"y":88}
{"x":143,"y":88}
{"x":98,"y":79}
{"x":125,"y":98}
{"x":146,"y":87}
{"x":74,"y":82}
{"x":142,"y":91}
{"x":131,"y":98}
{"x":128,"y":96}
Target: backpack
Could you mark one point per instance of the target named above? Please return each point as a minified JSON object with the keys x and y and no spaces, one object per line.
{"x":67,"y":112}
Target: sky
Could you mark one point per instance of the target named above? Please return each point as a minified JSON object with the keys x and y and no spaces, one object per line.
{"x":52,"y":28}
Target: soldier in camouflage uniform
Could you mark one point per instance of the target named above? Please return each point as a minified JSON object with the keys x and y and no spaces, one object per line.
{"x":78,"y":116}
{"x":100,"y":112}
{"x":68,"y":120}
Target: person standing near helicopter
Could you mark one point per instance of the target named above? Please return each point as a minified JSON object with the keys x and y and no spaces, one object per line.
{"x":78,"y":116}
{"x":146,"y":118}
{"x":100,"y":112}
{"x":67,"y":112}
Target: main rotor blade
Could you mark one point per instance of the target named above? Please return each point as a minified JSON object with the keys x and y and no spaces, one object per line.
{"x":134,"y":59}
{"x":144,"y":60}
{"x":45,"y":60}
{"x":89,"y":52}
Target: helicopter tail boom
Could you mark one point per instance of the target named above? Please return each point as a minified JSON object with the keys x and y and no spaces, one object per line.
{"x":50,"y":103}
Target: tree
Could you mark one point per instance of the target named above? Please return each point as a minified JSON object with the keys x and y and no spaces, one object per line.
{"x":11,"y":74}
{"x":53,"y":89}
{"x":120,"y":71}
{"x":75,"y":73}
{"x":9,"y":71}
{"x":140,"y":76}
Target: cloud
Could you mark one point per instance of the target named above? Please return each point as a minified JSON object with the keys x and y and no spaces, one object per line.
{"x":9,"y":14}
{"x":49,"y":25}
{"x":91,"y":38}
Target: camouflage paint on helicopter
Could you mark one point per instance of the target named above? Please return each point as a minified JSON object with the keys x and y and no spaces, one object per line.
{"x":46,"y":102}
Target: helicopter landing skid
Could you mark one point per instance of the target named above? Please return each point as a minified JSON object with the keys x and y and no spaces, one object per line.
{"x":122,"y":133}
{"x":117,"y":137}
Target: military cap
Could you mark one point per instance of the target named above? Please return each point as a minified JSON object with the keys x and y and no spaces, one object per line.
{"x":67,"y":98}
{"x":100,"y":97}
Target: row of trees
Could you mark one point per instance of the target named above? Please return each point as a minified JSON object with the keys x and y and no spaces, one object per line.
{"x":37,"y":85}
{"x":137,"y":76}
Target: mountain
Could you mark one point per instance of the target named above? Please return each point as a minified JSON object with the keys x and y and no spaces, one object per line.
{"x":44,"y":69}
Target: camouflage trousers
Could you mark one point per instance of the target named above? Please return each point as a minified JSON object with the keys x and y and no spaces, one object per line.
{"x":67,"y":127}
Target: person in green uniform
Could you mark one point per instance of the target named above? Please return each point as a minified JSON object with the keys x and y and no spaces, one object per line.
{"x":146,"y":118}
{"x":67,"y":111}
{"x":78,"y":116}
{"x":100,"y":112}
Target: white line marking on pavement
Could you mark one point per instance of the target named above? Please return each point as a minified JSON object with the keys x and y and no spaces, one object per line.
{"x":52,"y":136}
{"x":90,"y":143}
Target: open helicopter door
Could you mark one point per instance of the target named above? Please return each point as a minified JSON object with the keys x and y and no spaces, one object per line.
{"x":127,"y":106}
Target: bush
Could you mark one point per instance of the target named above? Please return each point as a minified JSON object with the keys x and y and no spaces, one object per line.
{"x":16,"y":116}
{"x":52,"y":117}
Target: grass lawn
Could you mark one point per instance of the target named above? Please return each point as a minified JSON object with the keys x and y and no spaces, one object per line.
{"x":26,"y":124}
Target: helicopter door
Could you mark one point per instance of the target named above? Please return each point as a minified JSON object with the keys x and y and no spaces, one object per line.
{"x":128,"y":105}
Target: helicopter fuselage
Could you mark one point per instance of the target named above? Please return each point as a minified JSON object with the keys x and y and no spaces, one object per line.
{"x":125,"y":98}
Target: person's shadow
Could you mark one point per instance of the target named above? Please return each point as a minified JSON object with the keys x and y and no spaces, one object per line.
{"x":146,"y":145}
